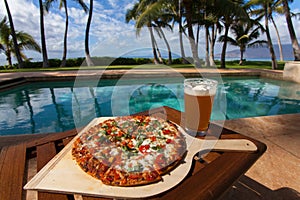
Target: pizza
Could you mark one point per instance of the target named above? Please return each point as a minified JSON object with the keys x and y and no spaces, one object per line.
{"x":130,"y":150}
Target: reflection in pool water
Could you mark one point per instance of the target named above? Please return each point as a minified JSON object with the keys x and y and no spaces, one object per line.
{"x":50,"y":107}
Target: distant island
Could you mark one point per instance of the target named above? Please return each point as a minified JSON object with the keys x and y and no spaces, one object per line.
{"x":260,"y":53}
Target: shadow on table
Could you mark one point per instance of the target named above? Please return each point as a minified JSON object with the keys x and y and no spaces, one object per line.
{"x":248,"y":189}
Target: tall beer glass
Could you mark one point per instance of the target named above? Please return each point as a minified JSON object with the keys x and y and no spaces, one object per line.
{"x":199,"y":96}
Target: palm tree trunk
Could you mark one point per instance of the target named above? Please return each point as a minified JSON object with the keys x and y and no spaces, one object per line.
{"x":197,"y":37}
{"x":270,"y":44}
{"x":184,"y":61}
{"x":14,"y":37}
{"x":293,"y":37}
{"x":223,"y":55}
{"x":64,"y":58}
{"x":168,"y":46}
{"x":87,"y":31}
{"x":8,"y":56}
{"x":278,"y":39}
{"x":207,"y":63}
{"x":158,"y":52}
{"x":43,"y":39}
{"x":242,"y":56}
{"x":188,"y":7}
{"x":155,"y":58}
{"x":212,"y":46}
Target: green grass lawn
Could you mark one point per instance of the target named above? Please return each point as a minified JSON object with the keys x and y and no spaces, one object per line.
{"x":253,"y":65}
{"x":229,"y":65}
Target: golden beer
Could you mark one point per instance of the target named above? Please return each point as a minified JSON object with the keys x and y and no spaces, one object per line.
{"x":198,"y":100}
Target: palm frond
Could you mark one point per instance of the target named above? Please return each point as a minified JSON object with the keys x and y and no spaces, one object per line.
{"x":2,"y":47}
{"x":151,"y":13}
{"x":26,"y":41}
{"x":258,"y":43}
{"x":48,"y":4}
{"x":82,"y":5}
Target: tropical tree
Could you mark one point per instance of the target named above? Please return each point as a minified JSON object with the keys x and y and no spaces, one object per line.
{"x":24,"y":40}
{"x":87,"y":33}
{"x":14,"y":37}
{"x":265,"y":6}
{"x":43,"y":38}
{"x":228,"y":12}
{"x":134,"y":14}
{"x":178,"y":19}
{"x":277,"y":8}
{"x":212,"y":26}
{"x":273,"y":6}
{"x":244,"y":34}
{"x":63,"y":4}
{"x":160,"y":13}
{"x":188,"y":7}
{"x":295,"y":44}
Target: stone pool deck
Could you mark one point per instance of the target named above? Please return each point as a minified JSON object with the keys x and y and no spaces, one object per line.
{"x":276,"y":175}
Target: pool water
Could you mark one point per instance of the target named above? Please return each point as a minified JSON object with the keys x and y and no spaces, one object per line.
{"x":59,"y":106}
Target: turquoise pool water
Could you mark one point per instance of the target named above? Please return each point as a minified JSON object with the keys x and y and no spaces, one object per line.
{"x":59,"y":106}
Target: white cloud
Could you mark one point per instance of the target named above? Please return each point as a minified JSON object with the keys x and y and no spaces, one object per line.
{"x":108,"y":28}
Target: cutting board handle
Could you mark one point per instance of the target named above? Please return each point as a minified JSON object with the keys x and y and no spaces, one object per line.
{"x":222,"y":145}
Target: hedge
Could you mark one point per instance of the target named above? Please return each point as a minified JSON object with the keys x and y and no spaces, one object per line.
{"x":98,"y":61}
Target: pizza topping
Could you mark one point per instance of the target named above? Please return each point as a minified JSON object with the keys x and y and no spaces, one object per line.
{"x":144,"y":148}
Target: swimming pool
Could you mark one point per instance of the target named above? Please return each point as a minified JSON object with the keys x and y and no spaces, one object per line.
{"x":58,"y":106}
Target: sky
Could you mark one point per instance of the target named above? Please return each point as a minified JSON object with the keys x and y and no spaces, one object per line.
{"x":109,"y":34}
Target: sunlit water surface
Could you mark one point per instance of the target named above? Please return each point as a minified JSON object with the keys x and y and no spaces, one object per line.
{"x":59,"y":106}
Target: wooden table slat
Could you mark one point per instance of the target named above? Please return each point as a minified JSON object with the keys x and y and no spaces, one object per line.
{"x":95,"y":198}
{"x":211,"y":156}
{"x":45,"y":153}
{"x":12,"y":160}
{"x":67,"y":140}
{"x":52,"y":138}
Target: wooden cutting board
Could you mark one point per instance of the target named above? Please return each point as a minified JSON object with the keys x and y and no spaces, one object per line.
{"x":63,"y":175}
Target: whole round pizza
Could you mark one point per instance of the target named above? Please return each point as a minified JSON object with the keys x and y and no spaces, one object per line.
{"x":130,"y":151}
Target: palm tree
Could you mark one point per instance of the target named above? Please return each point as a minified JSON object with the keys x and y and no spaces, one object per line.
{"x":160,"y":13}
{"x":161,"y":34}
{"x":244,"y":34}
{"x":25,"y":41}
{"x":266,"y":12}
{"x":266,"y":6}
{"x":188,"y":5}
{"x":5,"y":40}
{"x":274,"y":6}
{"x":228,"y":12}
{"x":43,"y":38}
{"x":295,"y":44}
{"x":13,"y":34}
{"x":134,"y":14}
{"x":63,"y":3}
{"x":211,"y":25}
{"x":180,"y":27}
{"x":87,"y":32}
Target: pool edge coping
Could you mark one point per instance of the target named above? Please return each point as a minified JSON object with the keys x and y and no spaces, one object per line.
{"x":9,"y":80}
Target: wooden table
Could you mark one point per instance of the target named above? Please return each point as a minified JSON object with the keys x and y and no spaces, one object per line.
{"x":209,"y":177}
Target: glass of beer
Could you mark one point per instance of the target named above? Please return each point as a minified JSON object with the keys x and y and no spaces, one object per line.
{"x":199,"y":96}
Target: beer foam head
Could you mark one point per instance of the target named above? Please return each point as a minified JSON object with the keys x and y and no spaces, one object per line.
{"x":200,"y":86}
